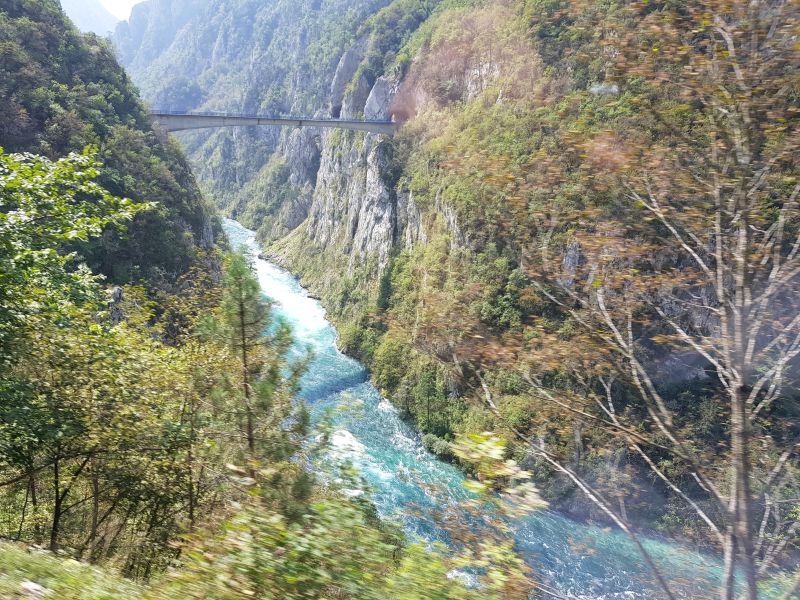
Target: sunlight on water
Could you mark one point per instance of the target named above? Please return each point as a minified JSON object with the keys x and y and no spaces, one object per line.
{"x":580,"y":561}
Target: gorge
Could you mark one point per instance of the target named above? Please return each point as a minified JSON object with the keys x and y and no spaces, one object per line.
{"x":428,"y":250}
{"x":509,"y":311}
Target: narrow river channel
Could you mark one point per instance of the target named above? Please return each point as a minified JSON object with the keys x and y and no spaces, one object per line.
{"x":580,"y":561}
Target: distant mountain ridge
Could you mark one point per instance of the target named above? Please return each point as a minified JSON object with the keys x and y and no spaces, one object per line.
{"x":90,"y":15}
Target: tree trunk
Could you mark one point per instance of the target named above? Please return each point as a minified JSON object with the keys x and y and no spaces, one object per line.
{"x":57,"y":503}
{"x":740,"y":442}
{"x":251,"y":440}
{"x":729,"y":574}
{"x":95,"y":515}
{"x":37,"y":530}
{"x":24,"y":512}
{"x":190,"y":473}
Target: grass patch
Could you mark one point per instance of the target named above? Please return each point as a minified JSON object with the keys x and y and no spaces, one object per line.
{"x":66,"y":579}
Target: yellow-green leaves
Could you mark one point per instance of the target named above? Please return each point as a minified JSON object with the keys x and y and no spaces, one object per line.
{"x":45,"y":207}
{"x":486,"y":454}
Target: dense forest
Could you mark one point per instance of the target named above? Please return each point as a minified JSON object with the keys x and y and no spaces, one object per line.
{"x":574,"y":271}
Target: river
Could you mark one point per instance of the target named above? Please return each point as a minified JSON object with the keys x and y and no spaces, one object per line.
{"x":580,"y":561}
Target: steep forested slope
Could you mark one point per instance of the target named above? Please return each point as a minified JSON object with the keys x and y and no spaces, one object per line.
{"x":87,"y":189}
{"x":506,"y":262}
{"x":153,"y":423}
{"x":62,"y":91}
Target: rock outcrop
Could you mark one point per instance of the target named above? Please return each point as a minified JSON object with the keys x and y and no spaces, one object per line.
{"x":353,"y":210}
{"x":345,"y":70}
{"x":379,"y":103}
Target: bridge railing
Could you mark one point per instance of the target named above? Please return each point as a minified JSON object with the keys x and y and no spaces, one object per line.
{"x":173,"y":113}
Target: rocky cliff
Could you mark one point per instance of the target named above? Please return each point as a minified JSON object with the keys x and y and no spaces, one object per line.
{"x":277,"y":57}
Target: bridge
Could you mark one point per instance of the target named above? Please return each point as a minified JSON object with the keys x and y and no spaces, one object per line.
{"x":182,"y":121}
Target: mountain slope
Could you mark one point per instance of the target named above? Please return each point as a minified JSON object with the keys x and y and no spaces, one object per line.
{"x":90,"y":15}
{"x":275,"y":57}
{"x":60,"y":92}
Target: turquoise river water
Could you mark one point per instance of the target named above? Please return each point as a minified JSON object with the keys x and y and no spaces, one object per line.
{"x":580,"y":561}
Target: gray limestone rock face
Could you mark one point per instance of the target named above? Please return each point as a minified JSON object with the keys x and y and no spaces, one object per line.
{"x":409,"y":220}
{"x":150,"y":30}
{"x":293,"y":212}
{"x":90,"y":15}
{"x":207,"y":233}
{"x":376,"y":212}
{"x":33,"y":591}
{"x":353,"y":211}
{"x":345,"y":71}
{"x":379,"y":103}
{"x":301,"y":148}
{"x":356,"y":98}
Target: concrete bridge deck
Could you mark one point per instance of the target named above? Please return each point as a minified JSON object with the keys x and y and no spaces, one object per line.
{"x":174,"y":121}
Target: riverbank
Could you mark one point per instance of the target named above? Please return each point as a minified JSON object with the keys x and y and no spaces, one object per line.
{"x":575,"y":558}
{"x":561,"y":494}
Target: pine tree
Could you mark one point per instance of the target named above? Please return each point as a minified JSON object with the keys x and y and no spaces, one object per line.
{"x":267,"y":383}
{"x":246,"y":315}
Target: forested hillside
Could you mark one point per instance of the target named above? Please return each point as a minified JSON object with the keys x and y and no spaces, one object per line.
{"x":152,"y":444}
{"x":62,"y":92}
{"x":583,"y":238}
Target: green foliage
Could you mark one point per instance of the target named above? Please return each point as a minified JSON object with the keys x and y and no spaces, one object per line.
{"x":334,"y":551}
{"x":269,"y":192}
{"x":437,"y":445}
{"x":65,"y":579}
{"x":458,"y":158}
{"x":61,"y":91}
{"x":486,"y":454}
{"x":390,"y":362}
{"x":430,"y":404}
{"x":112,"y":441}
{"x":130,"y":439}
{"x":388,"y":30}
{"x":45,"y":207}
{"x":246,"y":314}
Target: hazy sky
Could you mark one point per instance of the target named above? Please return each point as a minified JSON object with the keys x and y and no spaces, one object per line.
{"x":120,"y":8}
